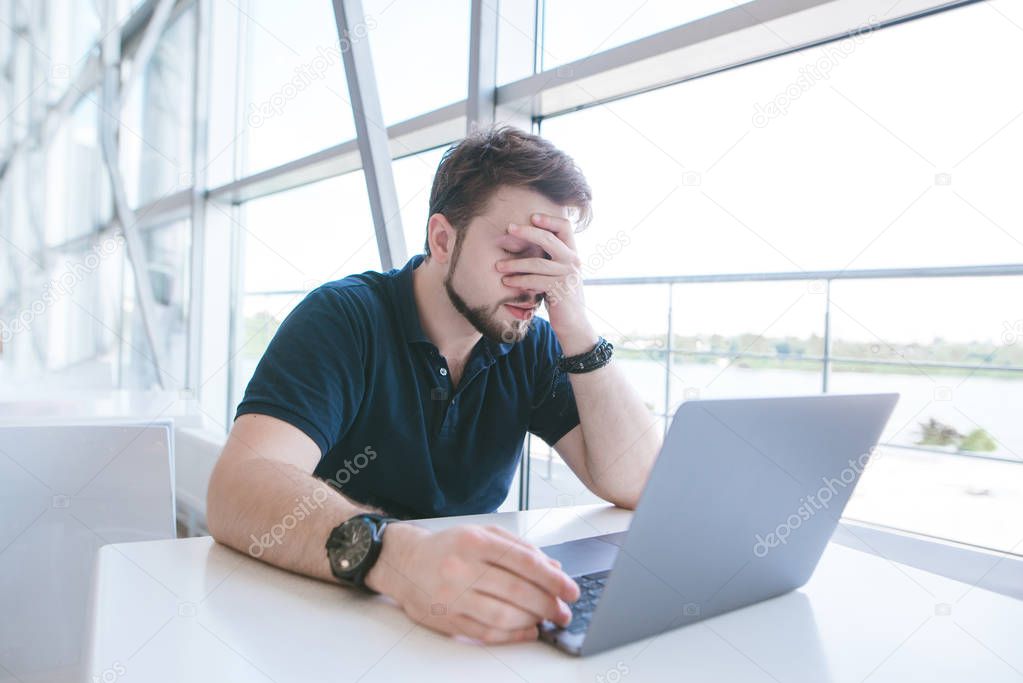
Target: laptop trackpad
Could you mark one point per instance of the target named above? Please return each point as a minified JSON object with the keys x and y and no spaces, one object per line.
{"x":586,"y":555}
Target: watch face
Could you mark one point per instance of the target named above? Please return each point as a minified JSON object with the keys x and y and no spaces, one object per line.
{"x":354,"y":544}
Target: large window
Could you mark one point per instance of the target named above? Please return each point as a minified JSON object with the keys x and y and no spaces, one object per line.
{"x":413,"y":179}
{"x":437,"y":33}
{"x":78,"y":319}
{"x":574,"y":29}
{"x":295,"y":100}
{"x":156,"y":124}
{"x":292,"y":243}
{"x":168,"y":267}
{"x":840,"y":218}
{"x":75,"y":176}
{"x":856,"y":172}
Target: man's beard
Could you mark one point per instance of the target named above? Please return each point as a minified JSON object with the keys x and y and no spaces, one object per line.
{"x":486,"y":323}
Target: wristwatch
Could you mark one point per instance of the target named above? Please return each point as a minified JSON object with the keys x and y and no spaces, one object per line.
{"x":354,"y":546}
{"x":595,"y":358}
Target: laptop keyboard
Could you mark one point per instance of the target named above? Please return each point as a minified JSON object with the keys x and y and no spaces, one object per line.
{"x":591,"y":586}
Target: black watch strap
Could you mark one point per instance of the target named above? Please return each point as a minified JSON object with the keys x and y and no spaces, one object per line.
{"x":597,"y":357}
{"x":356,"y":576}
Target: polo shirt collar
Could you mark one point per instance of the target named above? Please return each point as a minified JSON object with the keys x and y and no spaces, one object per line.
{"x":409,"y":313}
{"x":406,"y":300}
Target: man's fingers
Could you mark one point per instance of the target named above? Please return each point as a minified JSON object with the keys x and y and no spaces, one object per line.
{"x":535,"y":283}
{"x":494,"y":611}
{"x":531,"y":565}
{"x":545,"y":239}
{"x":501,"y":531}
{"x":504,"y":585}
{"x":536,"y":266}
{"x":467,"y":626}
{"x":557,"y":224}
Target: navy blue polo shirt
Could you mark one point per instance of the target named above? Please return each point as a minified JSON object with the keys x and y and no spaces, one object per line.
{"x":353,"y":369}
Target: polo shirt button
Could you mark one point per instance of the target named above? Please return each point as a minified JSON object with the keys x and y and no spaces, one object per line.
{"x":444,"y":371}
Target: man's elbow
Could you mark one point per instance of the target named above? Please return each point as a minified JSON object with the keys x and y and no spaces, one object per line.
{"x":619,"y":498}
{"x":627,"y":502}
{"x":217,"y":500}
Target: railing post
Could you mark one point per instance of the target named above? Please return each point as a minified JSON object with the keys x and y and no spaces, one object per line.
{"x":668,"y":348}
{"x":524,"y":473}
{"x":826,"y":374}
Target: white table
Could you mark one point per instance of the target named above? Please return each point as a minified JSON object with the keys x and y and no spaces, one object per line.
{"x":193,"y":610}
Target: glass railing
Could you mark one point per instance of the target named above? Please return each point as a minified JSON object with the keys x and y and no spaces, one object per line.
{"x":943,"y":338}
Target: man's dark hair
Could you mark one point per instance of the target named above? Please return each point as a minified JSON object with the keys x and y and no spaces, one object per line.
{"x":471,"y":172}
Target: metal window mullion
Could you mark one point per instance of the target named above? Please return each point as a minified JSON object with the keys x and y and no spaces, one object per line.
{"x":110,"y":53}
{"x":35,"y":161}
{"x":539,"y":34}
{"x":200,"y":138}
{"x":994,"y":270}
{"x":845,"y":360}
{"x":516,"y":114}
{"x":122,"y":319}
{"x":15,"y":288}
{"x":235,"y":307}
{"x":147,"y":45}
{"x":371,"y":133}
{"x":481,"y":102}
{"x":421,"y":133}
{"x":12,"y":144}
{"x":243,"y":87}
{"x":719,"y":42}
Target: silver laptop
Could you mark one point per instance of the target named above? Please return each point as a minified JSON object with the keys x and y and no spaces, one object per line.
{"x":739,"y":507}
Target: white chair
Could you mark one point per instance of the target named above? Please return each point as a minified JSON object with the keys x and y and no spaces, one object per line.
{"x":196,"y":451}
{"x":65,"y":490}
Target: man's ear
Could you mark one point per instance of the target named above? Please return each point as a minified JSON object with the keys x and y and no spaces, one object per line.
{"x":442,"y":237}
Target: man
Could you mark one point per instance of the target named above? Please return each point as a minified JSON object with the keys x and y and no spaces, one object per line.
{"x":407,"y":394}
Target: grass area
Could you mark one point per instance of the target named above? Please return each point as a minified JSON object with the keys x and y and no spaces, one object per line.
{"x":790,"y":353}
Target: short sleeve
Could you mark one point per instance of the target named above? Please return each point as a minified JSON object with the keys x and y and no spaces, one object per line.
{"x":311,"y":375}
{"x":554,"y":411}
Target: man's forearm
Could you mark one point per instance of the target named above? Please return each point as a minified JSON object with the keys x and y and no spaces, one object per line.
{"x":622,"y":437}
{"x":275,"y":512}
